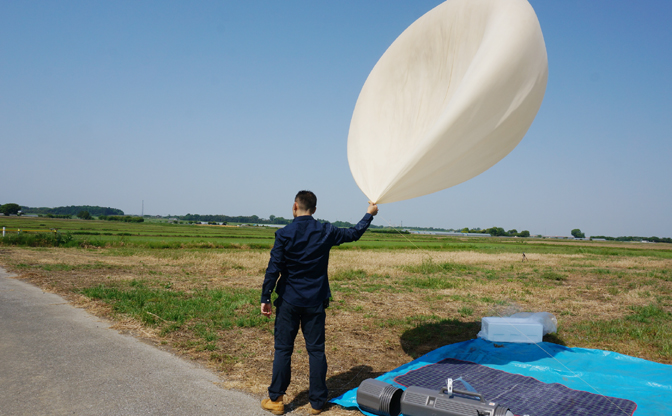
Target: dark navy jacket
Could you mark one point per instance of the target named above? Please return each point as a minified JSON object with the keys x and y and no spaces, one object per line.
{"x":300,"y":256}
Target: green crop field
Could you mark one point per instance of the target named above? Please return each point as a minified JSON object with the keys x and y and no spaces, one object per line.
{"x":111,"y":234}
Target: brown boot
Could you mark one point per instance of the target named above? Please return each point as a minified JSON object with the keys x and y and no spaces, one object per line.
{"x":276,"y":407}
{"x":315,"y":411}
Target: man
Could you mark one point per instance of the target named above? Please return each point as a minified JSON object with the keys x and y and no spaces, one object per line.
{"x":300,"y":256}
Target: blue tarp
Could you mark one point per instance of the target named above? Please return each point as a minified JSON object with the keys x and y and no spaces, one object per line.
{"x":646,"y":383}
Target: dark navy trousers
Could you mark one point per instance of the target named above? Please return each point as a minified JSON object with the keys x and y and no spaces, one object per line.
{"x":288,"y":319}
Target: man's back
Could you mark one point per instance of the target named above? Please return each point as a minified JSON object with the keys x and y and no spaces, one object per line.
{"x":300,"y":256}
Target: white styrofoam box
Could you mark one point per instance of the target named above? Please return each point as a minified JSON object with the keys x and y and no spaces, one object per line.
{"x":497,"y":329}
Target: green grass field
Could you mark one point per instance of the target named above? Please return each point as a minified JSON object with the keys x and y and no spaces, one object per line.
{"x":158,"y":235}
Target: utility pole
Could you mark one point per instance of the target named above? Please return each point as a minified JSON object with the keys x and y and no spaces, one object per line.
{"x":143,"y":208}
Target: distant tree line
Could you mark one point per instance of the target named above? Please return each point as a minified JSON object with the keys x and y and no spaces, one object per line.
{"x":497,"y":232}
{"x":651,"y":239}
{"x":244,"y":219}
{"x":345,"y":224}
{"x":122,"y":218}
{"x":73,"y":210}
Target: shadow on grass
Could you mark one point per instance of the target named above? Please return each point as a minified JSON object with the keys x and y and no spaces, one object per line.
{"x":427,"y":337}
{"x":339,"y":384}
{"x":555,"y":339}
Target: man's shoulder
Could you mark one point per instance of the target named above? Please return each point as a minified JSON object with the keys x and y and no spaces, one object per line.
{"x":284,"y":230}
{"x":293,"y":227}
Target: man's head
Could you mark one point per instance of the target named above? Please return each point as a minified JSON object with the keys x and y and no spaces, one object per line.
{"x":305,"y":203}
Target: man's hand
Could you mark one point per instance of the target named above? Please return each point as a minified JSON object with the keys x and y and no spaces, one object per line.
{"x":266,"y":309}
{"x":373,"y":209}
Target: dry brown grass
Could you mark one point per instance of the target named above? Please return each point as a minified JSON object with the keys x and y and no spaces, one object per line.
{"x":372,"y":319}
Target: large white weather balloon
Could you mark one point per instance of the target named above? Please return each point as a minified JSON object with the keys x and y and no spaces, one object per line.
{"x":453,"y":95}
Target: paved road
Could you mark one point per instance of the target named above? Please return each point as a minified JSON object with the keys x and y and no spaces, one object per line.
{"x":59,"y":360}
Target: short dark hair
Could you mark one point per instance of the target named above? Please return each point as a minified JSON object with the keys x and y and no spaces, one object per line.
{"x":306,"y":200}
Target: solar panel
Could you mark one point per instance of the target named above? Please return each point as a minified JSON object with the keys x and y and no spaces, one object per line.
{"x":523,"y":395}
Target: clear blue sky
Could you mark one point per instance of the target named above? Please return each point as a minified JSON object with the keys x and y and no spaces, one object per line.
{"x":229,"y":107}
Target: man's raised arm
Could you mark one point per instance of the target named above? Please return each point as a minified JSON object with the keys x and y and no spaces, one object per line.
{"x":348,"y":235}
